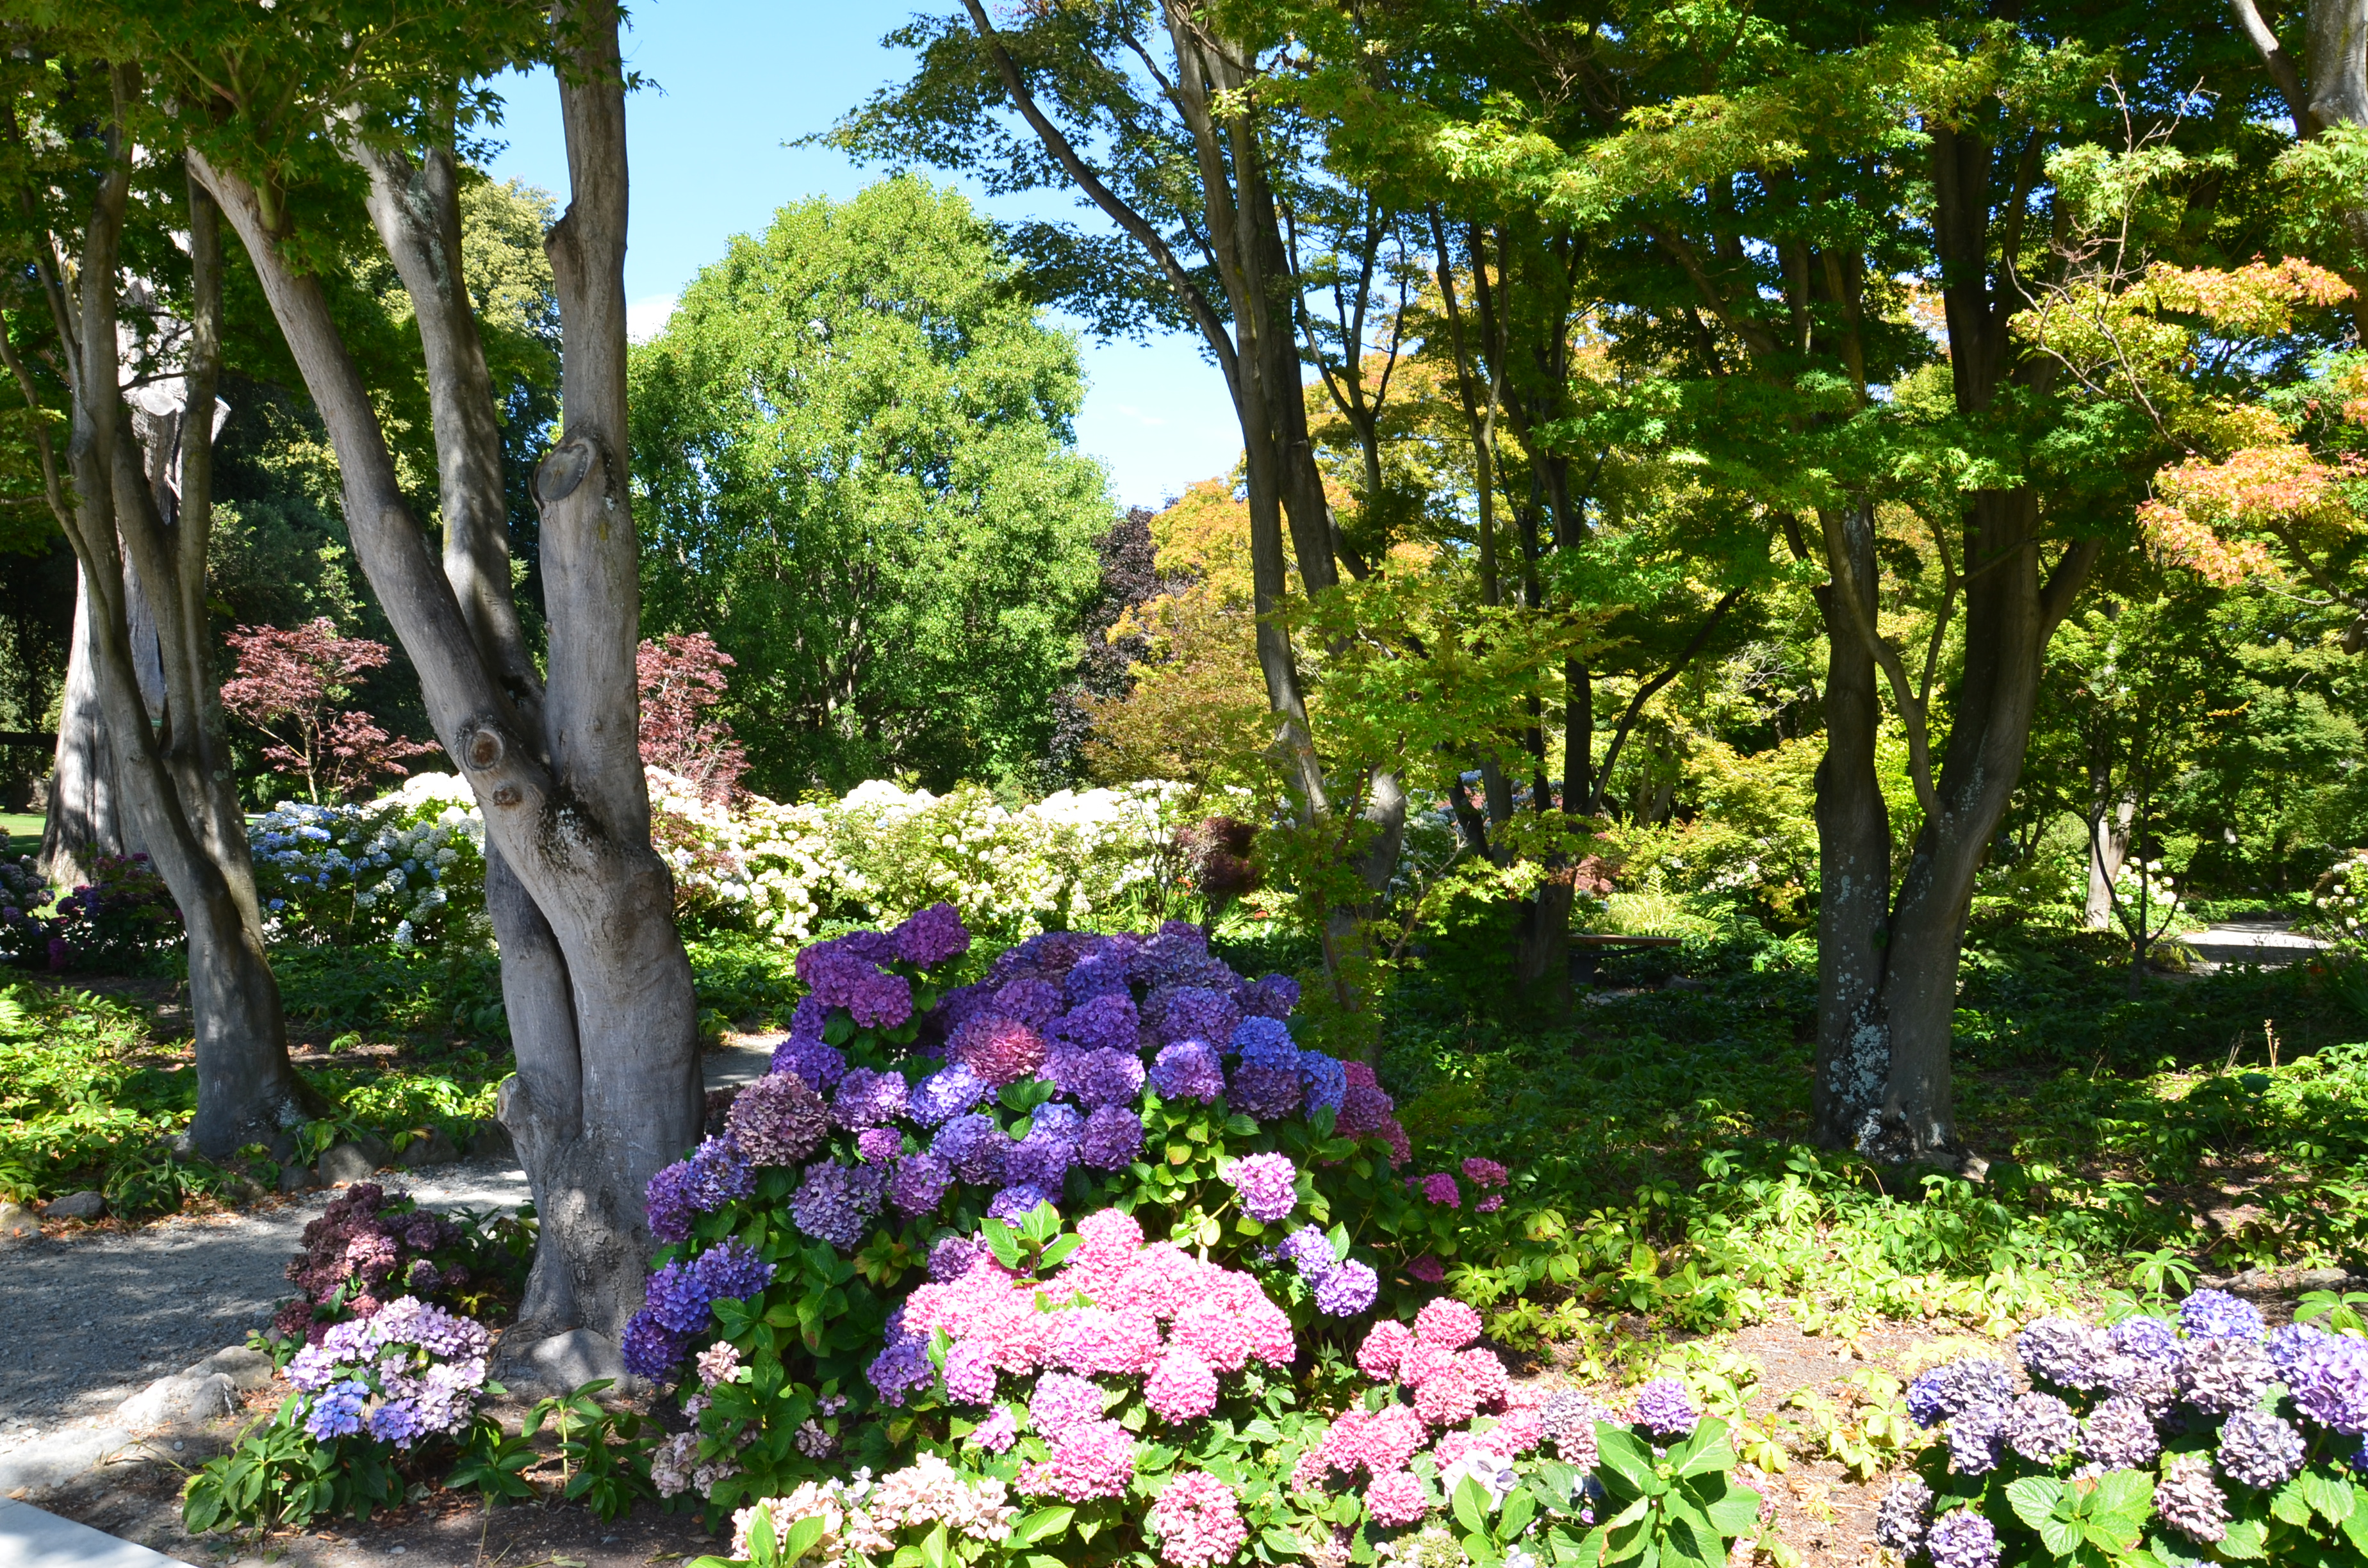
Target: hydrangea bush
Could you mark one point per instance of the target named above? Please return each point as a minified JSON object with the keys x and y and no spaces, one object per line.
{"x":407,"y":868}
{"x":2204,"y":1440}
{"x":369,"y":1245}
{"x":910,"y":1137}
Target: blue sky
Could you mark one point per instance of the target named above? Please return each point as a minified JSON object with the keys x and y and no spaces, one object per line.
{"x":733,"y":82}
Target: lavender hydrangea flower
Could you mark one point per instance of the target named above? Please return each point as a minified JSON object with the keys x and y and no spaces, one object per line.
{"x":2262,"y":1450}
{"x":730,"y":1270}
{"x":1936,"y":1395}
{"x":1271,"y":996}
{"x":1016,"y":1202}
{"x":1187,"y":1070}
{"x":2120,"y":1435}
{"x":929,"y":937}
{"x":1264,"y":1043}
{"x":2327,"y":1376}
{"x":2221,"y":1376}
{"x":836,"y":1202}
{"x":2216,"y":1315}
{"x":1348,"y":1289}
{"x":1308,"y":1251}
{"x":1265,"y":1094}
{"x":1031,"y":1001}
{"x":2069,"y":1355}
{"x":945,"y":1094}
{"x":1193,"y":1012}
{"x":1324,"y":1079}
{"x":1904,"y":1516}
{"x":2042,"y":1428}
{"x":1112,"y":1139}
{"x":777,"y":1121}
{"x":1106,"y":1021}
{"x":1664,"y":1409}
{"x":954,"y":1256}
{"x":1975,"y":1435}
{"x":974,"y":1145}
{"x":651,"y":1350}
{"x":878,"y":1145}
{"x":1265,"y":1184}
{"x":2141,"y":1335}
{"x":1961,"y":1539}
{"x":2188,"y":1500}
{"x":919,"y":1183}
{"x":867,"y":1098}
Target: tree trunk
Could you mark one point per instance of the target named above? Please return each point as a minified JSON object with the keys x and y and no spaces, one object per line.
{"x":87,"y":814}
{"x":2109,"y":846}
{"x":595,"y":978}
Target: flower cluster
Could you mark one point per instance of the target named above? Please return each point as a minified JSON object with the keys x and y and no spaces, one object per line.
{"x":407,"y":868}
{"x":367,"y":1245}
{"x":1198,"y":1521}
{"x":409,"y":1370}
{"x":862,"y":1518}
{"x":2224,"y":1411}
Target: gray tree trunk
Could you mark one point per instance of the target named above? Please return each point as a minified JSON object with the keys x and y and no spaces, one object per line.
{"x":86,"y":817}
{"x":2109,"y":846}
{"x":595,"y":979}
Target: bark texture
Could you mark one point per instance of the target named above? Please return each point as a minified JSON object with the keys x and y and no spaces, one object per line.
{"x":87,"y":817}
{"x":595,"y":981}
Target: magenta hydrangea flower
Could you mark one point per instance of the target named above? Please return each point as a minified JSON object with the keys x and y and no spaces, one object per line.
{"x":1484,"y":1172}
{"x":999,"y":1050}
{"x":1063,"y":1400}
{"x":1364,"y":1109}
{"x":1265,"y":1184}
{"x":932,"y":935}
{"x":1187,"y":1070}
{"x":1440,"y":1188}
{"x":969,"y":1373}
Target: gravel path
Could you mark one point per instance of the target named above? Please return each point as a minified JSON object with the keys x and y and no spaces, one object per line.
{"x":86,"y":1322}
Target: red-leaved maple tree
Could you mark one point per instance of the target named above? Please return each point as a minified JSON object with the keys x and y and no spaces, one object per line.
{"x":293,"y":684}
{"x":681,"y":678}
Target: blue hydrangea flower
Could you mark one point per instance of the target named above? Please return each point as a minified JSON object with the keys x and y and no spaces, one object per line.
{"x":946,"y":1095}
{"x":731,"y":1270}
{"x":2216,"y":1315}
{"x":1324,"y":1079}
{"x":337,"y":1410}
{"x":974,"y":1145}
{"x":1265,"y":1042}
{"x":678,"y":1299}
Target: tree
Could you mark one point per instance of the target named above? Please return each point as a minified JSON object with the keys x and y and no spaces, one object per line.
{"x":90,"y":242}
{"x":853,"y":442}
{"x":292,"y":685}
{"x":681,"y":678}
{"x":597,"y":985}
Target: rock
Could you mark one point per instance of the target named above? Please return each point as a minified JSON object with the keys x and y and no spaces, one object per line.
{"x":180,"y":1398}
{"x":76,"y":1206}
{"x":17,"y":1224}
{"x":492,"y":1141}
{"x":58,"y":1457}
{"x":247,"y":1369}
{"x":347,"y":1163}
{"x":296,"y":1178}
{"x":567,"y":1361}
{"x":433,"y":1147}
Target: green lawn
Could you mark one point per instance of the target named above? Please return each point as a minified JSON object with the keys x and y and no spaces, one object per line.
{"x":24,"y":831}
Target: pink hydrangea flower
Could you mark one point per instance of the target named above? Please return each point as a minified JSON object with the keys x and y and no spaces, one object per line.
{"x":1439,"y":1188}
{"x":1446,"y":1399}
{"x":1386,"y":1345}
{"x":1484,"y":1172}
{"x":1218,"y":1335}
{"x":1487,"y":1374}
{"x":1427,"y":1269}
{"x":1446,"y":1322}
{"x":1491,"y":1203}
{"x":1090,"y":1459}
{"x":1198,"y":1521}
{"x":1181,"y":1388}
{"x":1396,"y":1499}
{"x":1422,"y":1362}
{"x":1098,"y":1342}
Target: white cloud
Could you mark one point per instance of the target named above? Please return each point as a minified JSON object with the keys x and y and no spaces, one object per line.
{"x":645,"y":319}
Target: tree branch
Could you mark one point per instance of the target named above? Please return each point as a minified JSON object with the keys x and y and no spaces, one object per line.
{"x":1644,"y":694}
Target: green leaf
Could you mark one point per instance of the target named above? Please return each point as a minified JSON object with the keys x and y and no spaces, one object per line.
{"x":1620,"y":1457}
{"x":2288,"y":1506}
{"x":2123,"y":1494}
{"x":933,"y":1550}
{"x":1709,"y":1449}
{"x":1734,"y":1509}
{"x":1044,"y":1523}
{"x":1282,"y":1543}
{"x":2033,"y":1499}
{"x":802,"y":1537}
{"x":1518,"y":1510}
{"x":2329,"y":1496}
{"x":1471,"y":1502}
{"x":2247,"y":1541}
{"x":1001,"y":1242}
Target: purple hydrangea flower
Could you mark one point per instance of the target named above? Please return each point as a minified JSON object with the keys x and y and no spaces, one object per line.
{"x":730,"y":1270}
{"x":1349,"y":1289}
{"x":969,"y":1373}
{"x":1187,"y":1070}
{"x":918,"y":1184}
{"x":2188,"y":1501}
{"x":2120,"y":1435}
{"x":1105,"y":1077}
{"x":1271,"y":996}
{"x":678,"y":1299}
{"x":652,"y":1350}
{"x":1015,"y":1203}
{"x":1961,"y":1539}
{"x":1112,"y":1139}
{"x":1098,"y":974}
{"x":1192,"y":1012}
{"x":1265,"y":1184}
{"x":1324,"y":1079}
{"x":953,"y":1257}
{"x":2142,"y":1335}
{"x":1040,"y":1160}
{"x":974,"y":1145}
{"x":1061,"y":1401}
{"x":902,"y":1365}
{"x":2221,"y":1376}
{"x":878,"y":1145}
{"x":822,"y":1066}
{"x":778,"y":1119}
{"x":1106,"y":1021}
{"x":2261,"y":1450}
{"x":2216,"y":1315}
{"x":1364,"y":1111}
{"x":1265,"y":1042}
{"x":867,"y":1098}
{"x":1266,"y":1094}
{"x":948,"y":1094}
{"x":1177,"y":946}
{"x":2069,"y":1355}
{"x":1904,"y":1516}
{"x":1935,"y":1396}
{"x":2327,"y":1376}
{"x":397,"y":1421}
{"x":1033,"y":1002}
{"x":1664,"y":1409}
{"x":718,"y":1174}
{"x":1975,"y":1434}
{"x":2042,"y":1428}
{"x":1308,"y":1251}
{"x":931,"y":936}
{"x":836,"y":1202}
{"x":671,"y":1209}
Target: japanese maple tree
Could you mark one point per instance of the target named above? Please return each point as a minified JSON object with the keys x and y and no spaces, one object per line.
{"x":292,"y":685}
{"x":681,"y":680}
